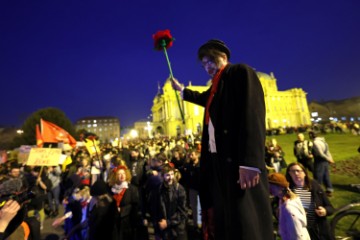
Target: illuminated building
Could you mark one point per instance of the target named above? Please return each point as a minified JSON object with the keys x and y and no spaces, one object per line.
{"x":287,"y":108}
{"x":106,"y":128}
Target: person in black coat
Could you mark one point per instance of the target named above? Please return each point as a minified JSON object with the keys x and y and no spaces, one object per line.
{"x":191,"y":179}
{"x":316,"y":204}
{"x":39,"y":184}
{"x":169,"y":213}
{"x":126,"y":197}
{"x":234,"y":191}
{"x":102,"y":213}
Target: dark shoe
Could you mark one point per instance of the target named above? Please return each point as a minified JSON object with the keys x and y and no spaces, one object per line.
{"x":329,"y":194}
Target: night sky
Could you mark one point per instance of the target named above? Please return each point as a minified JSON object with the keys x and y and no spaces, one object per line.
{"x":96,"y":58}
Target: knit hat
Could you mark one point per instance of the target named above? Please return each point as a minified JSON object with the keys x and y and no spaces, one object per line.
{"x":278,"y":179}
{"x":215,"y":44}
{"x":98,"y":188}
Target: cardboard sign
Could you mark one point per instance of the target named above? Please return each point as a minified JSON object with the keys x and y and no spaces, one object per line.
{"x":44,"y":157}
{"x":24,"y":152}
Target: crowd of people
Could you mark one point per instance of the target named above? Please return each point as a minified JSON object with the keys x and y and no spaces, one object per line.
{"x":134,"y":185}
{"x":216,"y":187}
{"x":313,"y":153}
{"x":154,"y":183}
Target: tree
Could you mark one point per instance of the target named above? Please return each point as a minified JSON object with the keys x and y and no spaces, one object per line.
{"x":53,"y":115}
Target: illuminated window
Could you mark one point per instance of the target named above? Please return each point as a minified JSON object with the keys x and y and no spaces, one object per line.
{"x":196,"y":110}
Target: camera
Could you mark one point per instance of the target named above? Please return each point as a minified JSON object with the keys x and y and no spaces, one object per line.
{"x":21,"y":198}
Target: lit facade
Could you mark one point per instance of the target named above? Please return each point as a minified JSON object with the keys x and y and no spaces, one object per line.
{"x":167,"y":117}
{"x":106,"y":128}
{"x":287,"y":108}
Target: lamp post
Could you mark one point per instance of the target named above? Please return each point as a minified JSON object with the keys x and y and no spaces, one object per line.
{"x":148,"y":128}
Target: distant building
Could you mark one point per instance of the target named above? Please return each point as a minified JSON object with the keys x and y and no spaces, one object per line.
{"x":167,"y":117}
{"x":345,"y":110}
{"x":283,"y":109}
{"x":106,"y":128}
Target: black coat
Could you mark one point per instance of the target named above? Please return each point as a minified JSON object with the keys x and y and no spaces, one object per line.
{"x":321,"y":227}
{"x":129,"y":217}
{"x":238,"y":115}
{"x":102,"y":220}
{"x":169,"y":202}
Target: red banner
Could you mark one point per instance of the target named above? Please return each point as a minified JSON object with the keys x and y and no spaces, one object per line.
{"x":53,"y":133}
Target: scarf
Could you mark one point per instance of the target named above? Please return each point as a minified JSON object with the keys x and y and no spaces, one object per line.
{"x":119,"y":187}
{"x":214,"y":86}
{"x":119,"y":191}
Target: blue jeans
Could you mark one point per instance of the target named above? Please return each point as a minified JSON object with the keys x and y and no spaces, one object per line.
{"x":322,"y":174}
{"x":53,"y":197}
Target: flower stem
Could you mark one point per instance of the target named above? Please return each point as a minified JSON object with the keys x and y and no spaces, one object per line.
{"x":163,"y":44}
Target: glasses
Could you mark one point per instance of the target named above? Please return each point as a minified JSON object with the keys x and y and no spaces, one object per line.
{"x":296,"y":171}
{"x":204,"y":64}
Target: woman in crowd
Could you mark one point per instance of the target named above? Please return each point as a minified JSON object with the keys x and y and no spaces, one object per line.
{"x":127,"y":201}
{"x":291,"y":214}
{"x":313,"y":199}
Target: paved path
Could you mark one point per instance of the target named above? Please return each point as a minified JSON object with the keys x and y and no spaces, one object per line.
{"x":49,"y":232}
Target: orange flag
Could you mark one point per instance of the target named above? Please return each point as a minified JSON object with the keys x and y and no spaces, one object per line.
{"x":39,"y":138}
{"x":54,"y":133}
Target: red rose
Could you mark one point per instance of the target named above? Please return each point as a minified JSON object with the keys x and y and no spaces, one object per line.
{"x":163,"y":39}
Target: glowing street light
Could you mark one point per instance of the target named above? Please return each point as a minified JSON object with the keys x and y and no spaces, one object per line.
{"x":134,"y":133}
{"x":20,"y":131}
{"x":148,"y":128}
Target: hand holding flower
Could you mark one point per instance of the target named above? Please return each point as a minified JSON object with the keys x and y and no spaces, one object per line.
{"x":176,"y":85}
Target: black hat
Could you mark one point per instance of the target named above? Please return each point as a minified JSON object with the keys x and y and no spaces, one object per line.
{"x":14,"y":164}
{"x":98,"y":188}
{"x":215,"y":44}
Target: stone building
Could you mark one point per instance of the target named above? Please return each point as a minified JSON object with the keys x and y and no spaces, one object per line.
{"x":287,"y":108}
{"x":106,"y":128}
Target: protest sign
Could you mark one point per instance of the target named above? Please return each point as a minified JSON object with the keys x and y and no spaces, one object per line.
{"x":44,"y":157}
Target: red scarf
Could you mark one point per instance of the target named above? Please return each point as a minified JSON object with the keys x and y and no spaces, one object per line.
{"x":214,"y":86}
{"x":118,"y":197}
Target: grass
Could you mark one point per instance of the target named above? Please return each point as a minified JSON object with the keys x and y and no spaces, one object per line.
{"x":346,"y":169}
{"x":344,"y":172}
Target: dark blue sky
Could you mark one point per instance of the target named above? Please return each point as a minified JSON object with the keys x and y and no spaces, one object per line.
{"x":96,"y":58}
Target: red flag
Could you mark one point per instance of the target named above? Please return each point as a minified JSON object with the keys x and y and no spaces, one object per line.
{"x":39,"y":138}
{"x":54,"y":133}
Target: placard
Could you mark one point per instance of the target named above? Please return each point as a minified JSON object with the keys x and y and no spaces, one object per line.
{"x":24,"y":152}
{"x":44,"y":157}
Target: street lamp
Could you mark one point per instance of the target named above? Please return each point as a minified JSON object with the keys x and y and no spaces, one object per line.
{"x":148,"y":128}
{"x":134,"y":133}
